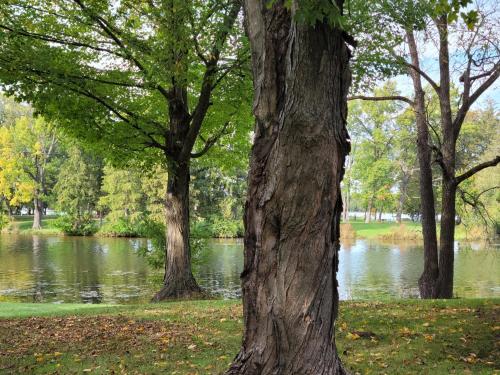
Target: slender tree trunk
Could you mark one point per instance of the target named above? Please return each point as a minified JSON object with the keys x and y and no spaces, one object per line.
{"x":178,"y":280}
{"x":368,"y":215}
{"x":293,"y":209}
{"x":428,"y":280}
{"x":37,"y":213}
{"x":448,"y":157}
{"x":403,"y":188}
{"x":446,"y":242}
{"x":347,"y":200}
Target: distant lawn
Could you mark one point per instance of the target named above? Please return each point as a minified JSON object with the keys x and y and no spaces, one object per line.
{"x":24,"y":224}
{"x":201,"y":337}
{"x":395,"y":231}
{"x":377,"y":229}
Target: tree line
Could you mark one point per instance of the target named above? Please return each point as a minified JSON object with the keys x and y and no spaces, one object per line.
{"x":42,"y":169}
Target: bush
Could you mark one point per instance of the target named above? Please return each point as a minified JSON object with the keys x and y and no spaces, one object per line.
{"x":76,"y":226}
{"x":4,"y":221}
{"x":226,"y":228}
{"x":124,"y":228}
{"x":154,"y":252}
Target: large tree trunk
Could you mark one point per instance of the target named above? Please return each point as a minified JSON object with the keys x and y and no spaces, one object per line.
{"x":293,"y":209}
{"x":178,"y":280}
{"x":428,"y":280}
{"x":37,"y":213}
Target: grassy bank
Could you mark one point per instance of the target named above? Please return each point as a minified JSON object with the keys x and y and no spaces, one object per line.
{"x":24,"y":224}
{"x":407,"y":231}
{"x":201,"y":337}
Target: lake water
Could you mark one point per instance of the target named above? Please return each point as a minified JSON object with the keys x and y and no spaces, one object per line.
{"x":108,"y":270}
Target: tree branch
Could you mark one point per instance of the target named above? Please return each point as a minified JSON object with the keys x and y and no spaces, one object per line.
{"x":105,"y":26}
{"x":434,"y":85}
{"x":471,"y":172}
{"x":210,"y":142}
{"x":380,"y":98}
{"x":207,"y":84}
{"x":462,"y":112}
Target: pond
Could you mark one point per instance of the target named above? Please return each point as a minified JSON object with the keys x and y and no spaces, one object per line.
{"x":36,"y":268}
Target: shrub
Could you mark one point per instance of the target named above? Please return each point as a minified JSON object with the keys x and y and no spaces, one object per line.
{"x":124,"y":228}
{"x":4,"y":221}
{"x":226,"y":228}
{"x":154,"y":251}
{"x":76,"y":226}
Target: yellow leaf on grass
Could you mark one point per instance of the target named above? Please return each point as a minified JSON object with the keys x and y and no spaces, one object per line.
{"x":352,"y":336}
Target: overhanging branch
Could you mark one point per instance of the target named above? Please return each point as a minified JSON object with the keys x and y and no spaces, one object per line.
{"x":380,"y":98}
{"x":471,"y":172}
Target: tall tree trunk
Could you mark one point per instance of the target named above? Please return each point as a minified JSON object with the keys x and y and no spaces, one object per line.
{"x":428,"y":280}
{"x":37,"y":212}
{"x":448,"y":157}
{"x":178,"y":280}
{"x":293,"y":208}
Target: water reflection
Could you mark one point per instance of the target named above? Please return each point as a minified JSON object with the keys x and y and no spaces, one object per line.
{"x":94,"y":270}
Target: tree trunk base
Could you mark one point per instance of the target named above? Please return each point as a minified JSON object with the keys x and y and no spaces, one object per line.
{"x":329,"y":364}
{"x":180,"y":289}
{"x":428,"y":287}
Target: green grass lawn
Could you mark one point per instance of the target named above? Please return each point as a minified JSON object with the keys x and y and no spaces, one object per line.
{"x":393,"y":230}
{"x":24,"y":224}
{"x":202,"y":337}
{"x":375,"y":229}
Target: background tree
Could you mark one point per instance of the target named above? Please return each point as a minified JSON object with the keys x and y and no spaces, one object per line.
{"x":138,"y":79}
{"x":123,"y":199}
{"x":373,"y":126}
{"x":475,"y":67}
{"x":26,"y":151}
{"x":77,"y":190}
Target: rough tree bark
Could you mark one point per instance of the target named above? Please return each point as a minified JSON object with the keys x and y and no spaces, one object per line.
{"x":293,"y":209}
{"x":428,"y":279}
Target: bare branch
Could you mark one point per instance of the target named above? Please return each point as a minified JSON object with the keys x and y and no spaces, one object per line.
{"x":380,"y":98}
{"x":471,"y":172}
{"x":434,"y":85}
{"x":468,"y":101}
